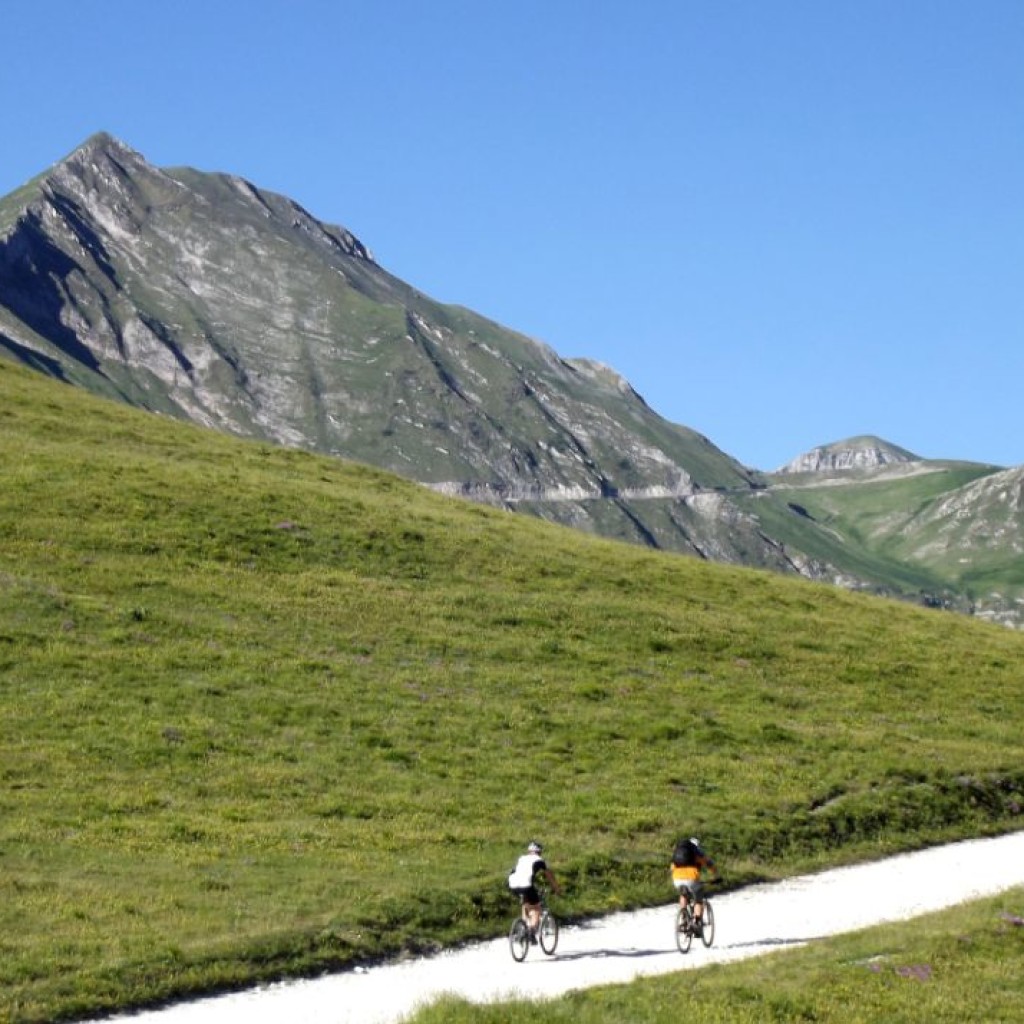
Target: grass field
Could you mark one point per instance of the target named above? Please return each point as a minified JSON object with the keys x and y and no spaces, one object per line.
{"x":265,"y":713}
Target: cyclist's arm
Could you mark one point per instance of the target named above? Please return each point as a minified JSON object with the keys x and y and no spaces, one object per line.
{"x":550,"y":876}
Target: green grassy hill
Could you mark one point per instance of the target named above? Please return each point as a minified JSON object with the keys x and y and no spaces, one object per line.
{"x":265,"y":712}
{"x":949,"y":530}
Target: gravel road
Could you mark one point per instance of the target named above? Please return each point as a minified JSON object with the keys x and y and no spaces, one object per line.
{"x":620,"y":947}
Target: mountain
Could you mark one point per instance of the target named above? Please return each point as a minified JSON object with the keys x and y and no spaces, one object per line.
{"x":951,"y":533}
{"x":203,"y":297}
{"x":855,"y":453}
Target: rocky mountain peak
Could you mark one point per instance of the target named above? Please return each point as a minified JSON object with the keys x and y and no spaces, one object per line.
{"x":866,"y":452}
{"x":106,"y":144}
{"x":101,"y":159}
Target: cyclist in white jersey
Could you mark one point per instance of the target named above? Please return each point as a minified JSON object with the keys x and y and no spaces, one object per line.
{"x":523,"y":882}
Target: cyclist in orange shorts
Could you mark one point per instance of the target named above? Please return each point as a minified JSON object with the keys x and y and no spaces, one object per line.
{"x":689,"y":862}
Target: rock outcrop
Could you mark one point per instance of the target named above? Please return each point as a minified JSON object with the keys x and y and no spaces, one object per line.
{"x":855,"y":453}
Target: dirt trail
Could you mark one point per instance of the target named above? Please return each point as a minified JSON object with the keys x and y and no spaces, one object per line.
{"x":621,"y":947}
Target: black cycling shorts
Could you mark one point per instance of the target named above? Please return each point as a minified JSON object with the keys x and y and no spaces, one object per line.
{"x":528,"y":895}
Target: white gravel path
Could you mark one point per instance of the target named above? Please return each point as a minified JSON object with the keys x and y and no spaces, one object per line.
{"x":624,"y":946}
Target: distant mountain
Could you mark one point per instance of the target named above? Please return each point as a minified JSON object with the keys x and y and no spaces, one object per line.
{"x":204,"y":297}
{"x":949,"y":533}
{"x":854,"y":453}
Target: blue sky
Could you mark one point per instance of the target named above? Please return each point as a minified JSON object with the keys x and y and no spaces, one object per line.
{"x":785,"y":222}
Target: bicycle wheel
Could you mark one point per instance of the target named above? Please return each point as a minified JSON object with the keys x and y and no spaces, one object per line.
{"x":684,"y":932}
{"x":519,"y":940}
{"x":548,"y":933}
{"x":707,"y":935}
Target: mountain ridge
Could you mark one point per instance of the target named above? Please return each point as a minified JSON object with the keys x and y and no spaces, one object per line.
{"x":202,"y":296}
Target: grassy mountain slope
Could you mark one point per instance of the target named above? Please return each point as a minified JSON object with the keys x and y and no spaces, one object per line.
{"x":266,"y":712}
{"x":951,"y":529}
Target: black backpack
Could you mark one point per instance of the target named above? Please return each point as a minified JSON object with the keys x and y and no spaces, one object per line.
{"x":685,"y":854}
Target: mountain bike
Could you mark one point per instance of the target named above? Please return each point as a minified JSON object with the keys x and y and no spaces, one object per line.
{"x":520,"y":939}
{"x":687,"y":926}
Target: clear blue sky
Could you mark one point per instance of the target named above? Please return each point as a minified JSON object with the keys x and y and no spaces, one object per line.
{"x":785,"y":222}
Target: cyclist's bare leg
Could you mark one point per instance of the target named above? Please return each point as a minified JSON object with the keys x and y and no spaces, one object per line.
{"x":684,"y":900}
{"x":685,"y":897}
{"x":531,"y":912}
